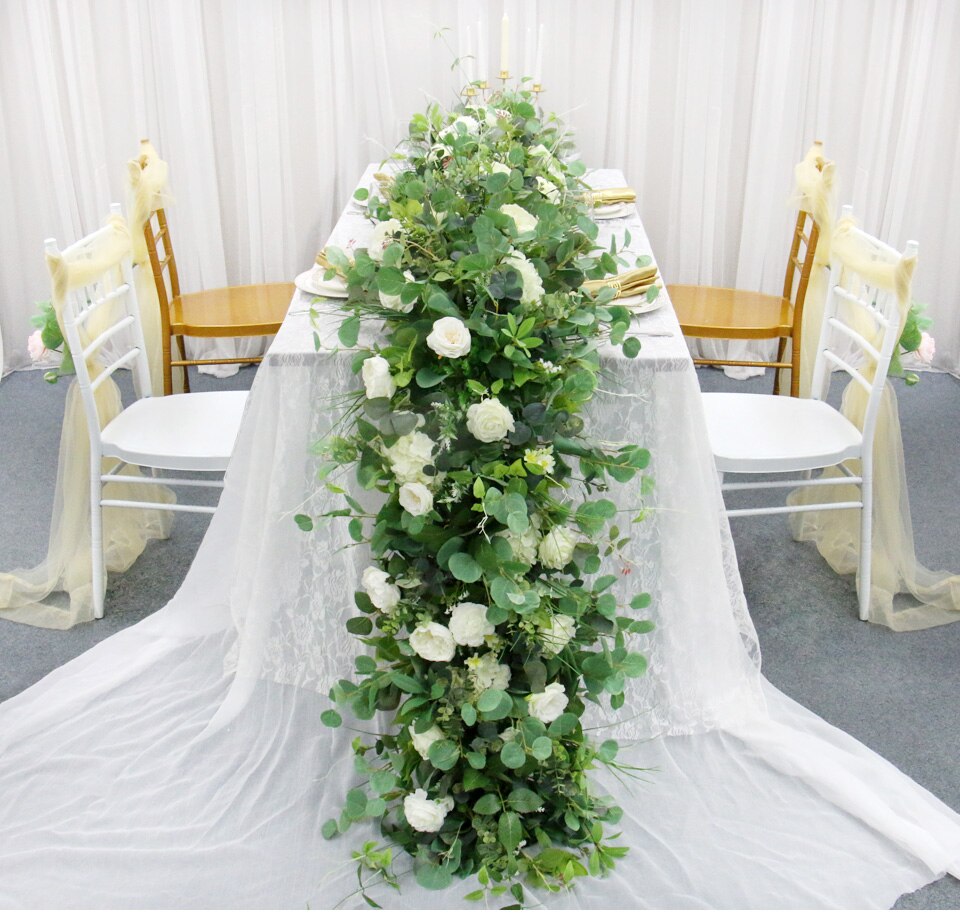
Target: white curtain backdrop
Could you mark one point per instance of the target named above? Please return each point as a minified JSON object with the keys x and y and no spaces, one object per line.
{"x":267,"y":110}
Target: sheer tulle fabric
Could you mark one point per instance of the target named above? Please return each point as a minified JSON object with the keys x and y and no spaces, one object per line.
{"x":895,"y":568}
{"x":68,"y":565}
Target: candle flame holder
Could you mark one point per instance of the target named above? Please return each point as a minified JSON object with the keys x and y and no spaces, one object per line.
{"x":504,"y":75}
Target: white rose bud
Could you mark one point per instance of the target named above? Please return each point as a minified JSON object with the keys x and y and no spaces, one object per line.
{"x":394,"y":302}
{"x":449,"y":338}
{"x":382,"y":236}
{"x":425,"y":815}
{"x":416,"y":498}
{"x":548,"y":189}
{"x":469,"y":625}
{"x":549,"y":704}
{"x":384,"y":595}
{"x":558,"y":633}
{"x":500,"y":167}
{"x":489,"y":420}
{"x":556,"y":547}
{"x":524,"y":221}
{"x":377,"y":379}
{"x":423,"y":741}
{"x":434,"y":642}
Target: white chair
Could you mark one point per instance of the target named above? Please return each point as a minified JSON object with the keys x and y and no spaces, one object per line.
{"x":771,"y":434}
{"x":189,"y":433}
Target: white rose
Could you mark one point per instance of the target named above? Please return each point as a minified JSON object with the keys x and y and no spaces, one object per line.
{"x":525,"y":545}
{"x":489,"y":420}
{"x":409,"y":455}
{"x":548,"y":189}
{"x":449,"y":338}
{"x":35,"y":346}
{"x":423,"y":741}
{"x":500,"y":167}
{"x":433,"y":641}
{"x":385,"y":596}
{"x":425,"y":815}
{"x":549,"y":704}
{"x":470,"y":124}
{"x":529,"y":277}
{"x":558,"y":633}
{"x":382,"y":235}
{"x":393,"y":301}
{"x":488,"y":672}
{"x":440,"y":151}
{"x":525,"y":221}
{"x":377,"y":379}
{"x":469,"y":625}
{"x":415,"y":498}
{"x":926,"y":351}
{"x":556,"y":547}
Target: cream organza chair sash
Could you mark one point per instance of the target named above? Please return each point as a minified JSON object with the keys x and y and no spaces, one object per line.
{"x":895,"y":568}
{"x":67,"y":568}
{"x":815,"y":191}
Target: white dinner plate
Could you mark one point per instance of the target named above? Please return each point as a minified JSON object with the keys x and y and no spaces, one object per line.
{"x":312,"y":282}
{"x":638,"y":304}
{"x":612,"y":211}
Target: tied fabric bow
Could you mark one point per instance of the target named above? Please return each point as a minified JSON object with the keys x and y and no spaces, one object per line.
{"x":603,"y":196}
{"x":630,"y":283}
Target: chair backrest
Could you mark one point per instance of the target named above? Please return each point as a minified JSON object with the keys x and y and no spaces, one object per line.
{"x":869,"y":282}
{"x":803,"y":249}
{"x":156,"y":233}
{"x":93,"y":284}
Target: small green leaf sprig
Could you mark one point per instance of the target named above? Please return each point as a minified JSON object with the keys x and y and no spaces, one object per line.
{"x":487,"y":623}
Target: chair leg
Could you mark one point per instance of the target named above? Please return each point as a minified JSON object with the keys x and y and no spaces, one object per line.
{"x":795,"y":368}
{"x":781,"y":349}
{"x":167,"y":369}
{"x":864,"y":571}
{"x":183,"y":356}
{"x":96,"y":542}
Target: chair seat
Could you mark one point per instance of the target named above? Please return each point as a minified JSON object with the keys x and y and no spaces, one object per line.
{"x":771,"y":433}
{"x":194,"y":432}
{"x":255,"y":309}
{"x":721,"y":312}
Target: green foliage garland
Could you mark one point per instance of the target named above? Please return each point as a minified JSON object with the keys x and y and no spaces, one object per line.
{"x":487,"y":624}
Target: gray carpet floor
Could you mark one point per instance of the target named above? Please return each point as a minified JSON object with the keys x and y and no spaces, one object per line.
{"x":897,"y":693}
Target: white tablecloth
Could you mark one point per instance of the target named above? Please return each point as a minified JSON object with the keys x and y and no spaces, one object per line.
{"x":182,"y":762}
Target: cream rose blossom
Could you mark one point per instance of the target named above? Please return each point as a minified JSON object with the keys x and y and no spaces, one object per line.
{"x":556,"y":547}
{"x":35,"y":346}
{"x":489,"y":420}
{"x":433,"y":641}
{"x":394,"y":302}
{"x":549,"y":704}
{"x":416,"y":498}
{"x":423,"y":814}
{"x":377,"y":379}
{"x":383,"y":594}
{"x":524,"y":221}
{"x":928,"y":348}
{"x":524,"y":546}
{"x":423,"y":741}
{"x":488,"y":672}
{"x":409,"y":455}
{"x":449,"y":338}
{"x":469,"y":625}
{"x":529,"y":277}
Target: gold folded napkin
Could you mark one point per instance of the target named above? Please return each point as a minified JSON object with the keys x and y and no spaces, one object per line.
{"x":325,"y":263}
{"x":603,"y":196}
{"x":630,"y":283}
